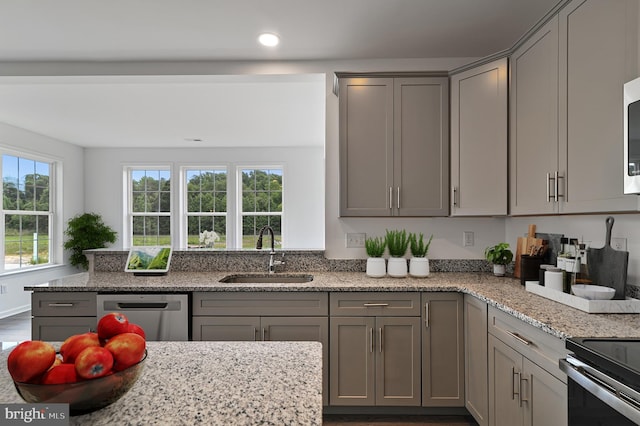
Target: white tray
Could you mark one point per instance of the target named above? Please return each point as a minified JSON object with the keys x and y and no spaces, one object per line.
{"x":628,"y":306}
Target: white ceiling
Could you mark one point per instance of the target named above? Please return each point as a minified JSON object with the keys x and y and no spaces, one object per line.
{"x":163,"y":111}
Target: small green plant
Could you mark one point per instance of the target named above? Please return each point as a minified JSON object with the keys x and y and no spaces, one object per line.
{"x":397,"y":241}
{"x":499,"y":254}
{"x":375,"y":246}
{"x":418,"y":247}
{"x":86,"y":231}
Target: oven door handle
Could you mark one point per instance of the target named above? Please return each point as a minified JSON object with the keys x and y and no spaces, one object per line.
{"x":618,"y":396}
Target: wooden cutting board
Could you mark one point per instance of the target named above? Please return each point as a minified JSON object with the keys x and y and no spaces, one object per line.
{"x":523,"y":245}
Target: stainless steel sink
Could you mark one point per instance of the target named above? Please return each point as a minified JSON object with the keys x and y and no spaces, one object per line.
{"x":267,"y":278}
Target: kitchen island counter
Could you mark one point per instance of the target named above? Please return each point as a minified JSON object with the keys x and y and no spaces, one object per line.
{"x":240,"y":383}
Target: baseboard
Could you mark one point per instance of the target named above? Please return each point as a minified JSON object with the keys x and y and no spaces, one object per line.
{"x":14,"y":311}
{"x":440,"y":411}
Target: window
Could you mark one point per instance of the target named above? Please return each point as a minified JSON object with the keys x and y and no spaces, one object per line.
{"x":27,"y":212}
{"x":206,"y":208}
{"x":261,"y":204}
{"x":150,"y":207}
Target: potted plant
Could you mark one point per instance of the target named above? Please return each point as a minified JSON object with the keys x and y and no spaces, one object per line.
{"x":419,"y":264}
{"x":376,"y":266}
{"x":397,"y":242}
{"x":499,"y":255}
{"x":86,"y":231}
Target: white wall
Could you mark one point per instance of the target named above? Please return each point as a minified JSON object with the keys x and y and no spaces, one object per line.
{"x":70,"y":182}
{"x":303,"y":183}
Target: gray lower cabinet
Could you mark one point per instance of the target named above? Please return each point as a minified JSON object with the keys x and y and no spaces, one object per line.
{"x":375,"y":349}
{"x":58,"y":315}
{"x":526,"y":387}
{"x":258,"y":316}
{"x":476,"y":374}
{"x":443,"y":350}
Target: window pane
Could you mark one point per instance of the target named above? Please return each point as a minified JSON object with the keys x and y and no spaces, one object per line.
{"x":220,"y":202}
{"x":165,"y":202}
{"x":26,"y":240}
{"x":193,"y":201}
{"x":137,"y":202}
{"x":276,"y":202}
{"x":251,"y":226}
{"x":151,"y":230}
{"x":248,"y":202}
{"x":207,"y":232}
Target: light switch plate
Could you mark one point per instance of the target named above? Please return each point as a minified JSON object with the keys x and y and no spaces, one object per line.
{"x":467,"y":239}
{"x":355,"y":240}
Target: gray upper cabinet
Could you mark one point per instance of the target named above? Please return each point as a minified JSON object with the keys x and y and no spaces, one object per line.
{"x":394,"y":146}
{"x":566,"y":110}
{"x":534,"y":122}
{"x":479,"y":119}
{"x":598,"y":54}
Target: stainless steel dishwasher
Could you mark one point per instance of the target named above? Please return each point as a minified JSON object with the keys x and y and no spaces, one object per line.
{"x":162,"y":316}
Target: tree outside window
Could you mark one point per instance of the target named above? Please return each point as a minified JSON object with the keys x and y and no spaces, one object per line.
{"x":26,"y":210}
{"x":206,"y":207}
{"x":150,"y":207}
{"x":261,"y":204}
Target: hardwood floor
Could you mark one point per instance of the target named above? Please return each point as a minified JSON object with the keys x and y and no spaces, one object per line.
{"x":380,"y":420}
{"x":15,"y":329}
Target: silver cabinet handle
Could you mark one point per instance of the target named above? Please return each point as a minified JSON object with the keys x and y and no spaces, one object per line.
{"x":519,"y":337}
{"x":380,"y":339}
{"x":264,"y":334}
{"x":555,"y":179}
{"x":61,"y":305}
{"x":390,"y":198}
{"x":558,"y":177}
{"x":515,"y":392}
{"x":371,"y":340}
{"x":426,"y":315}
{"x":455,"y":198}
{"x":373,"y":305}
{"x":548,"y":185}
{"x":255,"y":332}
{"x":398,"y":197}
{"x":526,"y":387}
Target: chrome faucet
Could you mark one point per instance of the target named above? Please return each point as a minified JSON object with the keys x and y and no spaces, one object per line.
{"x":272,"y":262}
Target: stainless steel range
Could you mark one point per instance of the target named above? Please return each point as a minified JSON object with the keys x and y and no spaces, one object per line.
{"x":604,"y":381}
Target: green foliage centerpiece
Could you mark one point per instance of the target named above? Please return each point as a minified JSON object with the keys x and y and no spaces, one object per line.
{"x":86,"y":231}
{"x":397,"y":242}
{"x":419,"y":264}
{"x":376,"y":266}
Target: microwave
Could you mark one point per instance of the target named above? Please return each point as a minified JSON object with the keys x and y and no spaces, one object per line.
{"x":632,"y":137}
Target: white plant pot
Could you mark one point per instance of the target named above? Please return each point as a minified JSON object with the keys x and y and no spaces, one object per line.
{"x":397,"y":267}
{"x":376,"y":267}
{"x":419,"y":267}
{"x":499,"y":270}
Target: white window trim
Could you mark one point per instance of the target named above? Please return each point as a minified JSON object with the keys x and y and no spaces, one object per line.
{"x":239,"y":212}
{"x":183,"y":211}
{"x":127,"y":222}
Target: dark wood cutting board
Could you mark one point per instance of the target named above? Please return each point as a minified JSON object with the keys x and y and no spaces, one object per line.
{"x":608,"y":266}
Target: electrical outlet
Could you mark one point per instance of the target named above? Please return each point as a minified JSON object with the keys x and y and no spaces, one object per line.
{"x":467,"y":239}
{"x":619,"y":243}
{"x":355,"y":240}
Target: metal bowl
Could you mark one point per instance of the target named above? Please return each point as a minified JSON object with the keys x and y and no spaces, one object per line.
{"x":87,"y":395}
{"x":593,"y":292}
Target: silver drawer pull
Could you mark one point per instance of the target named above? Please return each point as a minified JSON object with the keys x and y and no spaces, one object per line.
{"x":519,"y":338}
{"x":61,"y":305}
{"x":373,"y":305}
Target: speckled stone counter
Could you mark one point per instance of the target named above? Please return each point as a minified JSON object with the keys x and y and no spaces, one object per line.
{"x":502,"y":292}
{"x":221,"y":383}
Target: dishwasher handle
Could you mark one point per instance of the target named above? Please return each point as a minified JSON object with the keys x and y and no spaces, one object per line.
{"x":114,"y":305}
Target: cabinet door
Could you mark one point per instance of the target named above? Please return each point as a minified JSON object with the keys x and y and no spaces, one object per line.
{"x":57,"y":329}
{"x":315,"y":329}
{"x":479,"y":140}
{"x":398,"y":361}
{"x":226,"y":328}
{"x":366,"y":146}
{"x":476,"y":363}
{"x":598,"y":54}
{"x":352,"y":376}
{"x":421,"y":146}
{"x":505,"y":373}
{"x":546,"y":400}
{"x":443,"y":350}
{"x":534,"y":121}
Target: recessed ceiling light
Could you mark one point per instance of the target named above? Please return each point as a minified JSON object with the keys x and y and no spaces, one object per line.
{"x":268,"y":39}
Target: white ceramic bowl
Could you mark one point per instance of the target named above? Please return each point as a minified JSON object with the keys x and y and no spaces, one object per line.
{"x":593,"y":292}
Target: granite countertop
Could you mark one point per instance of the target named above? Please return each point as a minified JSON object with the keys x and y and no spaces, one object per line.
{"x":504,"y":293}
{"x":240,"y":383}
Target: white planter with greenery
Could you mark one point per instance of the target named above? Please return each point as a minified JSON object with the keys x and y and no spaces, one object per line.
{"x":500,"y":256}
{"x":419,"y":264}
{"x":376,"y":265}
{"x":397,"y":242}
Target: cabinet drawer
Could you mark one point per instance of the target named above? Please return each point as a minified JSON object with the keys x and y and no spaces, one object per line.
{"x":250,"y":303}
{"x":535,"y":344}
{"x":57,"y":329}
{"x":60,"y":304}
{"x":374,"y":304}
